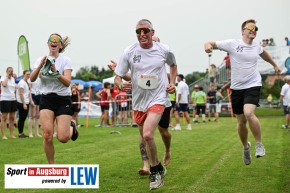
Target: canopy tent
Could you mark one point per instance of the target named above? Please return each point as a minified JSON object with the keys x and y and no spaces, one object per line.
{"x":78,"y":81}
{"x":109,"y":80}
{"x":96,"y":85}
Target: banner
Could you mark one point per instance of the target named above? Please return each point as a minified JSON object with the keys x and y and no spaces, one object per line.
{"x":51,"y":176}
{"x":23,"y":53}
{"x":279,"y":55}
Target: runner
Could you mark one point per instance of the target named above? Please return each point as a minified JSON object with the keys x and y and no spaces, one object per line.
{"x":245,"y":83}
{"x":149,"y":86}
{"x":54,"y":72}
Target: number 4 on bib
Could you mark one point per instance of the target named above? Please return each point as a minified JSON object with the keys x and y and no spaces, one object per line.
{"x":148,"y":81}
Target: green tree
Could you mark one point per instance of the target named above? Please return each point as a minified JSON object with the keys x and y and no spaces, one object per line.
{"x":93,"y":73}
{"x":194,"y":76}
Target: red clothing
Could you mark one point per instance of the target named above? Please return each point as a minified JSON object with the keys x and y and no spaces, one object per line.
{"x":104,"y":98}
{"x":122,"y":98}
{"x":114,"y":92}
{"x":227,"y":61}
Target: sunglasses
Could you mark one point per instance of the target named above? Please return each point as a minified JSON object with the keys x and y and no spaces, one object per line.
{"x":251,"y":27}
{"x":56,"y":39}
{"x":145,"y":30}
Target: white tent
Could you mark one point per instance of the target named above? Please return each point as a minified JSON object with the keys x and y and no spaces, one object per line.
{"x":109,"y":80}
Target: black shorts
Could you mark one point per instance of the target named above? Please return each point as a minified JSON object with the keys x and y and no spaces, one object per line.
{"x":165,"y":119}
{"x":120,"y":108}
{"x":75,"y":108}
{"x":105,"y":108}
{"x":36,"y":99}
{"x":60,"y":105}
{"x":173,"y":104}
{"x":8,"y":106}
{"x":245,"y":96}
{"x":182,"y":107}
{"x":200,"y":108}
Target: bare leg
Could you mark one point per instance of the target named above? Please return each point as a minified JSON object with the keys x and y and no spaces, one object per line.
{"x":3,"y":125}
{"x":243,"y":130}
{"x":47,"y":123}
{"x":148,"y":134}
{"x":254,"y":124}
{"x":11,"y":124}
{"x":144,"y":156}
{"x":166,"y":137}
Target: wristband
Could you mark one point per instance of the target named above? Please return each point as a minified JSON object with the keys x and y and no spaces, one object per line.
{"x":121,"y":86}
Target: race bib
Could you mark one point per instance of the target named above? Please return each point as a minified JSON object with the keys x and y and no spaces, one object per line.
{"x":123,"y":104}
{"x":148,"y":81}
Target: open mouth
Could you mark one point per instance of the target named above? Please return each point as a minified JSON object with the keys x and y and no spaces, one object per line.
{"x":53,"y":46}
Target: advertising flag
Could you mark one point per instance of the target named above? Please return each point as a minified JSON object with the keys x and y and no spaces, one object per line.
{"x":23,"y":53}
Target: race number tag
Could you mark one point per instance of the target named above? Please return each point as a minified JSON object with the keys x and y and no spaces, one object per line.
{"x":148,"y":81}
{"x":123,"y":104}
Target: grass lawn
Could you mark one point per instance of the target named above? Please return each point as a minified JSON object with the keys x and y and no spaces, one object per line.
{"x":207,"y":159}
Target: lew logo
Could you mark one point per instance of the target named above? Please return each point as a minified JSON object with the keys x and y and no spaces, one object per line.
{"x":83,"y":175}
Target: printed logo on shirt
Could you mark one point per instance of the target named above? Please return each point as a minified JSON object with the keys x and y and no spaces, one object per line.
{"x":137,"y":58}
{"x":239,"y":49}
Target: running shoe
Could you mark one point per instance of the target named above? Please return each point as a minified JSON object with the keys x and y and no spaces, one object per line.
{"x":285,"y":126}
{"x":163,"y":172}
{"x":260,"y":150}
{"x":22,"y":135}
{"x":247,"y":155}
{"x":75,"y":133}
{"x":189,"y":127}
{"x":177,"y":128}
{"x":155,"y":181}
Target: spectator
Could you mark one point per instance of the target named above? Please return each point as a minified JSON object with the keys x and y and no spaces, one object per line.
{"x":285,"y":100}
{"x":105,"y":96}
{"x":287,"y":41}
{"x":228,"y":64}
{"x":196,"y":89}
{"x":8,"y":102}
{"x":22,"y":97}
{"x":271,"y":42}
{"x":34,"y":102}
{"x":211,"y":95}
{"x":212,"y":74}
{"x":122,"y":108}
{"x":181,"y":104}
{"x":219,"y":98}
{"x":114,"y":92}
{"x":200,"y":101}
{"x":76,"y":103}
{"x":267,"y":42}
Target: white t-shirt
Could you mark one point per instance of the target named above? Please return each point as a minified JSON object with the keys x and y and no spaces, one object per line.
{"x":244,"y":58}
{"x":53,"y":85}
{"x":149,"y":62}
{"x":8,"y":92}
{"x":182,"y":88}
{"x":24,"y":85}
{"x":285,"y":92}
{"x":35,"y":86}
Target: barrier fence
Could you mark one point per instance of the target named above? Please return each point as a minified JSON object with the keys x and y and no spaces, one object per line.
{"x":120,"y":109}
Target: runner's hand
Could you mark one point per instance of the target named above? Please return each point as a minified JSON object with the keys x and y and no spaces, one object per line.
{"x":170,"y":89}
{"x":113,"y":65}
{"x":42,"y":62}
{"x":208,"y":47}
